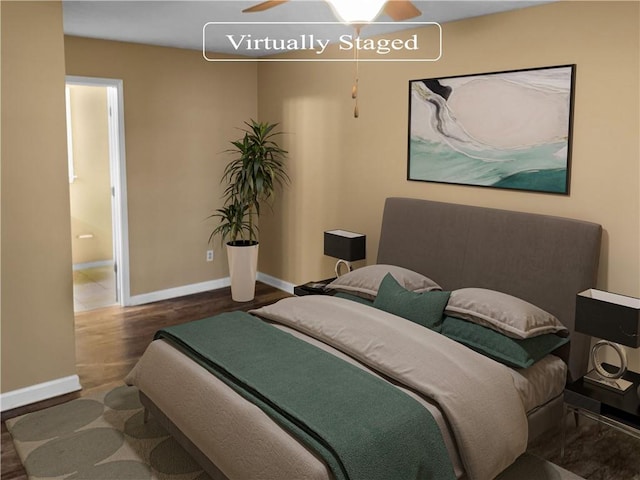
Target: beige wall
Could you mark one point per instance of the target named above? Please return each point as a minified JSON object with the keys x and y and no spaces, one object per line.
{"x":37,"y":303}
{"x":90,"y":192}
{"x":180,"y":113}
{"x":343,"y":168}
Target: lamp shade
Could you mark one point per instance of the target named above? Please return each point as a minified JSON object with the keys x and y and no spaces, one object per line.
{"x":609,"y":316}
{"x":349,"y":246}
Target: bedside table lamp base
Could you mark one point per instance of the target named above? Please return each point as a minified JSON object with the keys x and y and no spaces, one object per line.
{"x":340,"y":264}
{"x":600,"y":376}
{"x":618,"y":385}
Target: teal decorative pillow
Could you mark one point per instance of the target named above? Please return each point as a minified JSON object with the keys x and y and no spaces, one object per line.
{"x":513,"y":352}
{"x":424,"y":308}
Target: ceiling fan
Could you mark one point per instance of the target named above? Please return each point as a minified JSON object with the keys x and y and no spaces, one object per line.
{"x":351,"y":11}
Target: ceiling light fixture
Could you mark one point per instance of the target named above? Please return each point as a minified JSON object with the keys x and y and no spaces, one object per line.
{"x":357,"y":11}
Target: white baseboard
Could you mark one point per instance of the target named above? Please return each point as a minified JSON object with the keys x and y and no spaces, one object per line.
{"x":276,"y":282}
{"x":39,"y":392}
{"x":99,"y":263}
{"x":203,"y":287}
{"x":178,"y":291}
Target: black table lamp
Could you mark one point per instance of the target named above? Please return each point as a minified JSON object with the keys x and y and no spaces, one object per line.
{"x":614,"y":318}
{"x":346,"y":246}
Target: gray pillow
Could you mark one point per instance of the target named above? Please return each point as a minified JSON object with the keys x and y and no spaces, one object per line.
{"x":364,"y":282}
{"x":504,"y":313}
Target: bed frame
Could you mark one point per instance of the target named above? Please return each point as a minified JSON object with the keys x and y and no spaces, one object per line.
{"x":542,"y":259}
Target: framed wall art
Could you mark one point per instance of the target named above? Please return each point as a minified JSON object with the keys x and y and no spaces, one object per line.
{"x":508,"y":130}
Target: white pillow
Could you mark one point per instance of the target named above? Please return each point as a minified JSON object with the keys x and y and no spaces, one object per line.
{"x":504,"y":313}
{"x":364,"y":282}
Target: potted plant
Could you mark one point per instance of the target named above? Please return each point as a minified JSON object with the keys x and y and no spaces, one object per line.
{"x":251,"y":178}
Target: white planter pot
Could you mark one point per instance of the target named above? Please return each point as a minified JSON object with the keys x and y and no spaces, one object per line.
{"x":243,"y":266}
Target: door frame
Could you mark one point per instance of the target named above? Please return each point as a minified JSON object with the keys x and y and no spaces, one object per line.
{"x":118,"y":170}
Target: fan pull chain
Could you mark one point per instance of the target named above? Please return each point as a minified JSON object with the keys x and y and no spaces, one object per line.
{"x":354,"y":90}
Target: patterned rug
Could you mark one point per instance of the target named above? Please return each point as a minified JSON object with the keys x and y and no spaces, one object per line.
{"x":103,"y":437}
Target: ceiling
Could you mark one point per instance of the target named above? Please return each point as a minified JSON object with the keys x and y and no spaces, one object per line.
{"x":179,"y":23}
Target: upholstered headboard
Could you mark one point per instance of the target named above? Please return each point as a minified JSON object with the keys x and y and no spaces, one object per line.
{"x":542,"y":259}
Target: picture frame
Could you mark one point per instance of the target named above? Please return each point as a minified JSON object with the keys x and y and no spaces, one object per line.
{"x":509,"y":130}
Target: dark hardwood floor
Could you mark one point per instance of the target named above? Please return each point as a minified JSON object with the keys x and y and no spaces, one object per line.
{"x":109,"y":341}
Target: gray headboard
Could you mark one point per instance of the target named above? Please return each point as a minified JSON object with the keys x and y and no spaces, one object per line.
{"x":542,"y":259}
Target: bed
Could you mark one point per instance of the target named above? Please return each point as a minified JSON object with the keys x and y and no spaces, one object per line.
{"x":541,"y":260}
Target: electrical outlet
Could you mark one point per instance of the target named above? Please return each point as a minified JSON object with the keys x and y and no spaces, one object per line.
{"x":209,"y":255}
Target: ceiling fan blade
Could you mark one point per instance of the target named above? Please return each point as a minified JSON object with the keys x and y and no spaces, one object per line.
{"x":264,"y":6}
{"x":400,"y":10}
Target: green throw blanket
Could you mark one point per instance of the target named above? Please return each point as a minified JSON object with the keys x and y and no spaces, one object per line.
{"x":363,"y":428}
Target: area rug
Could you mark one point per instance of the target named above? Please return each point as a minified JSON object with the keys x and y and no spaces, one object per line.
{"x":103,"y":437}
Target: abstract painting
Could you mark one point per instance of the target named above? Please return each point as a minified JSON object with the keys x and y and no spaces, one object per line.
{"x":508,"y":130}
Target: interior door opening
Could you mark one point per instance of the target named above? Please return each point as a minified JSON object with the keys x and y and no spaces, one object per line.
{"x":97,"y":184}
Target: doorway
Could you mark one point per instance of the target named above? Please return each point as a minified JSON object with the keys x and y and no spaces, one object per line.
{"x":97,"y":185}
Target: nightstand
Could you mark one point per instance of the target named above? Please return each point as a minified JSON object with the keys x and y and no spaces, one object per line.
{"x":314,"y":288}
{"x":620,"y":411}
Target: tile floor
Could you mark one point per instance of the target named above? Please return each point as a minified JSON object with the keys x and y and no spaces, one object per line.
{"x":93,"y":288}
